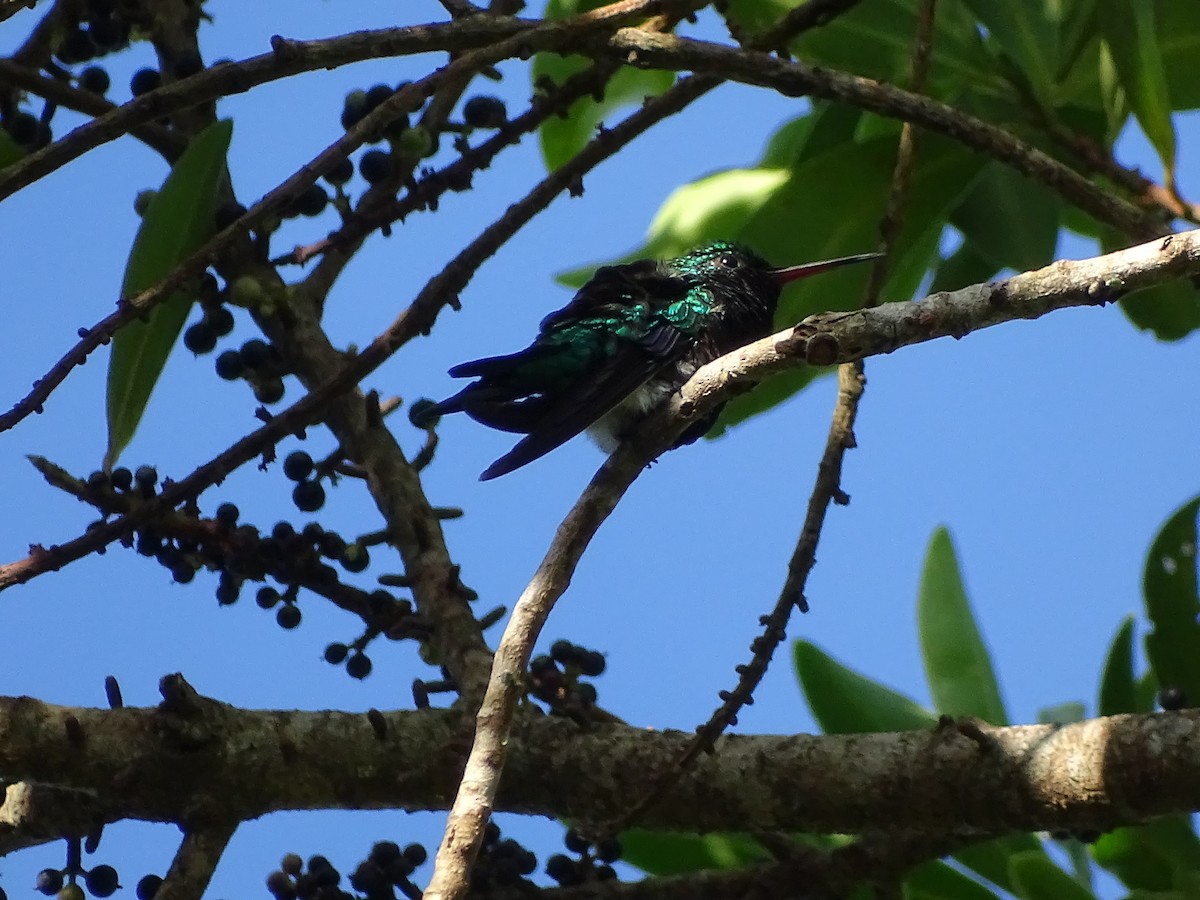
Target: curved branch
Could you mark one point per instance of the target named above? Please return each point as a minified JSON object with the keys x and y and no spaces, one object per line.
{"x":657,"y":51}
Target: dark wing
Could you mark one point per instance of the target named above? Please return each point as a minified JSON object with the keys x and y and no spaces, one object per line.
{"x":617,"y":286}
{"x":572,"y":411}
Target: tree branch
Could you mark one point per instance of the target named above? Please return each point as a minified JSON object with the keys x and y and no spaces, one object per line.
{"x":1100,"y":773}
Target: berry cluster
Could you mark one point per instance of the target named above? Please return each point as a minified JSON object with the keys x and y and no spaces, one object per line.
{"x":386,"y":868}
{"x":309,"y":496}
{"x":502,"y":863}
{"x":592,"y":862}
{"x":183,"y":542}
{"x":259,"y":363}
{"x":555,"y":679}
{"x":94,"y":30}
{"x":100,"y":881}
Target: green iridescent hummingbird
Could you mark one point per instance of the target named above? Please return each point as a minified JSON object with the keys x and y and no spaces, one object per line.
{"x":627,"y":340}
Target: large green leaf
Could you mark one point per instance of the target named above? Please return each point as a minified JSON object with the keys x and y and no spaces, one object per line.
{"x":1172,"y":605}
{"x":876,"y":38}
{"x":1035,"y":877}
{"x":1170,"y":310}
{"x":1025,"y":32}
{"x":957,"y":665}
{"x":1129,"y":30}
{"x":177,"y":222}
{"x":671,"y":853}
{"x":828,"y":126}
{"x":991,"y":859}
{"x":1118,"y":685}
{"x":564,"y":136}
{"x":1160,"y":856}
{"x":1009,"y":220}
{"x":937,"y":881}
{"x":961,"y":268}
{"x":1179,"y":44}
{"x":845,"y":702}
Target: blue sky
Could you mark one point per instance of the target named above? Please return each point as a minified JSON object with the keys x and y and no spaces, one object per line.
{"x":1052,"y":450}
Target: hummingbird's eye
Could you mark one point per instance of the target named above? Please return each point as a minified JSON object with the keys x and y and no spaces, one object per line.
{"x":729,"y":262}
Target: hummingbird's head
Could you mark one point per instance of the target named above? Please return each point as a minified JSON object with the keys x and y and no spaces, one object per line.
{"x":740,"y":270}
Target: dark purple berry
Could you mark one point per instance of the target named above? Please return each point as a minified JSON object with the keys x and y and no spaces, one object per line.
{"x":563,"y":870}
{"x":227,"y":514}
{"x":48,"y":882}
{"x":95,"y":80}
{"x":288,"y":616}
{"x":297,"y":465}
{"x":358,"y":666}
{"x":313,"y":201}
{"x":591,"y":663}
{"x":266,"y":597}
{"x":144,"y":81}
{"x":608,"y":850}
{"x":416,"y":854}
{"x":335,"y":654}
{"x":384,"y":852}
{"x":255,"y":353}
{"x":422,"y":414}
{"x":200,"y":338}
{"x":229,"y":365}
{"x":377,"y":95}
{"x":1172,"y":698}
{"x":269,"y":391}
{"x":575,"y":842}
{"x":121,"y":479}
{"x":148,"y":886}
{"x":23,"y":128}
{"x":375,"y":166}
{"x":308,"y":496}
{"x":485,"y":112}
{"x":354,"y":108}
{"x":341,"y":172}
{"x":355,"y":557}
{"x":102,"y":881}
{"x":76,"y":47}
{"x":220,"y":319}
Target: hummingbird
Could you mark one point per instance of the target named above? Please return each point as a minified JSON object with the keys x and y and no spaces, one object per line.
{"x":627,"y":340}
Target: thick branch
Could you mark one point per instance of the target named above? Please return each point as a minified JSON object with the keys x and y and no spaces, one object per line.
{"x":125,"y":764}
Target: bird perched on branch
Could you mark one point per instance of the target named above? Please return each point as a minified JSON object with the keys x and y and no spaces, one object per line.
{"x":627,"y":340}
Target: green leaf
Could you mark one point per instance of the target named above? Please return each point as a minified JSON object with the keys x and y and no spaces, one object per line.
{"x":845,"y":702}
{"x":177,"y":222}
{"x":1129,"y":30}
{"x":562,"y":138}
{"x":1172,"y":605}
{"x":963,"y":267}
{"x":1118,"y":689}
{"x":1035,"y":877}
{"x":10,"y":150}
{"x":957,"y":665}
{"x":671,"y":853}
{"x":876,"y":40}
{"x":829,"y":126}
{"x":991,"y":858}
{"x":1179,"y":44}
{"x":1028,"y":37}
{"x":937,"y":881}
{"x":1171,"y":310}
{"x":1160,"y":856}
{"x":1062,"y":713}
{"x":1009,"y":220}
{"x":1081,"y":859}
